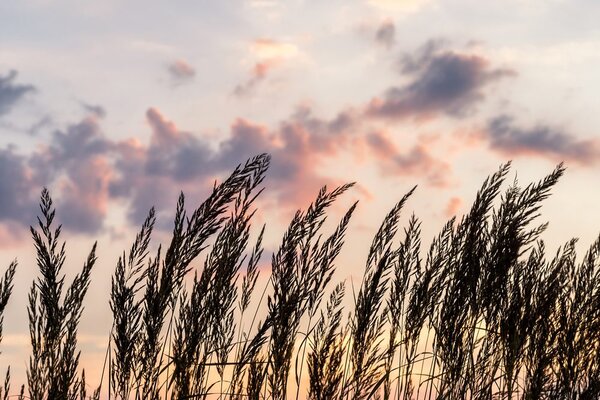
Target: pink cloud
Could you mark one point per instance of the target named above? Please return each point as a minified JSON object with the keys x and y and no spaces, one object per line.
{"x":416,"y":160}
{"x":268,"y":54}
{"x":258,"y":74}
{"x":12,"y":234}
{"x":453,"y":207}
{"x":272,"y":49}
{"x":181,"y":71}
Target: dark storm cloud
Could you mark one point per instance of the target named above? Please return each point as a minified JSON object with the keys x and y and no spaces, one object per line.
{"x":441,"y":81}
{"x":11,"y":92}
{"x":541,"y":140}
{"x":386,"y":34}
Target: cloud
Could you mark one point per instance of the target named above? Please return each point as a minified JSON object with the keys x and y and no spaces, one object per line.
{"x":85,"y":170}
{"x":541,"y":140}
{"x":77,"y":166}
{"x":77,"y":143}
{"x":94,"y":109}
{"x":174,"y":160}
{"x":300,"y":146}
{"x":84,"y":199}
{"x":409,"y":63}
{"x":270,"y":49}
{"x":415,"y":160}
{"x":386,"y":34}
{"x":453,"y":207}
{"x":174,"y":153}
{"x":153,"y":174}
{"x":258,"y":74}
{"x":268,"y":54}
{"x":11,"y":92}
{"x":17,"y":193}
{"x":40,"y":125}
{"x":181,"y":71}
{"x":441,"y":82}
{"x":12,"y":234}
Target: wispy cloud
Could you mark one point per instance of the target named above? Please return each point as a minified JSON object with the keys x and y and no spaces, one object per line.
{"x":11,"y":92}
{"x":257,"y":74}
{"x":386,"y":34}
{"x":267,"y":55}
{"x":94,"y":109}
{"x":270,"y":49}
{"x":453,"y":207}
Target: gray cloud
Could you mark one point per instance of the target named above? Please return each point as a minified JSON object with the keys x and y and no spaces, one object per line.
{"x":172,"y":152}
{"x":386,"y":34}
{"x":11,"y":92}
{"x":75,"y":166}
{"x":409,"y":63}
{"x":94,"y":109}
{"x":541,"y":140}
{"x":17,"y":197}
{"x":153,"y":174}
{"x":442,"y":81}
{"x":85,"y":170}
{"x":76,"y":169}
{"x":176,"y":160}
{"x":80,"y":154}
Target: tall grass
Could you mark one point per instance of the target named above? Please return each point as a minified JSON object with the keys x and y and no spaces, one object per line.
{"x":483,"y":312}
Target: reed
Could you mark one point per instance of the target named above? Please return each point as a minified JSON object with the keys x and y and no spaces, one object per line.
{"x":483,"y":312}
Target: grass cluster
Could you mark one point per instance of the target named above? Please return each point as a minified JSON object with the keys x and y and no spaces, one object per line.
{"x":484,"y":312}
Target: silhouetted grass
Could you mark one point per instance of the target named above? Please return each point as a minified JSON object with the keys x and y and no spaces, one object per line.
{"x":482,"y":313}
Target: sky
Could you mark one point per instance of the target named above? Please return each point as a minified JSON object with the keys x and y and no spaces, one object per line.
{"x":117,"y":106}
